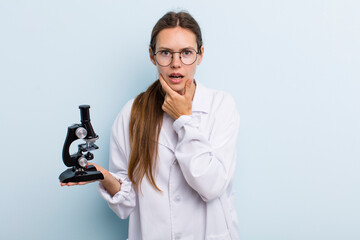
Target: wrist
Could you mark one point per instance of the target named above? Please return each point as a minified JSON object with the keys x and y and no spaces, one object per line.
{"x":110,"y":183}
{"x":107,"y":176}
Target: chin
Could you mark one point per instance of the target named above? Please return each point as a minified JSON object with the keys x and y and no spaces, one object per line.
{"x":178,"y":89}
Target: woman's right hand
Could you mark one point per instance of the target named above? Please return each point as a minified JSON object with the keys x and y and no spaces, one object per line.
{"x":98,"y":168}
{"x":110,"y":183}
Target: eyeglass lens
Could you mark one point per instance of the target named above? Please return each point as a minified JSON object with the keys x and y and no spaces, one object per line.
{"x":165,"y":57}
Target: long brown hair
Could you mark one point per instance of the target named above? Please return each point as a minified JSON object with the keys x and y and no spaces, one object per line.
{"x":147,"y":114}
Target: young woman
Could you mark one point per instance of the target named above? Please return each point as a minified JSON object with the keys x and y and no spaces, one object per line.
{"x":173,"y":148}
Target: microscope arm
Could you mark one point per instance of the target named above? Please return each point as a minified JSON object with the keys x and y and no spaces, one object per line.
{"x":71,"y":160}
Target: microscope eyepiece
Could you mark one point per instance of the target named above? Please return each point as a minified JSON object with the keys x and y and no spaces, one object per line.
{"x":84,"y":113}
{"x":85,"y":121}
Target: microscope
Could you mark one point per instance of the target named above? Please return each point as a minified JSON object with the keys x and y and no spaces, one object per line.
{"x":79,"y":171}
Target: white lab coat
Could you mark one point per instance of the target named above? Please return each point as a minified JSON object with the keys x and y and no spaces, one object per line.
{"x":195,"y":168}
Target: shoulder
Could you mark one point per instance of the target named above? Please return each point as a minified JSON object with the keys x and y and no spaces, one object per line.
{"x":214,"y":100}
{"x":123,"y":116}
{"x":127,"y":107}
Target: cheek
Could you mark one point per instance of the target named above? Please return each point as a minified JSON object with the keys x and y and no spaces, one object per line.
{"x":161,"y":70}
{"x":192,"y":71}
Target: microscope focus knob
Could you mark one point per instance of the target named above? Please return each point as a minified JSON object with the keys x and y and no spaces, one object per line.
{"x":81,"y":132}
{"x":82,"y":161}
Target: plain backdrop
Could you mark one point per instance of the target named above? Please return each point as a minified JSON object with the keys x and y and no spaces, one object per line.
{"x":293,"y":68}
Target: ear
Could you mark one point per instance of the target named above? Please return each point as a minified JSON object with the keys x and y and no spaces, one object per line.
{"x":200,"y":56}
{"x":152,"y":57}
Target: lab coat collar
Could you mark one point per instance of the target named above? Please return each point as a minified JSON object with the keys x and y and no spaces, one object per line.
{"x":201,"y":99}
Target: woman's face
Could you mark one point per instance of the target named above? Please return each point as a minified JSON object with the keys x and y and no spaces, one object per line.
{"x":175,"y":40}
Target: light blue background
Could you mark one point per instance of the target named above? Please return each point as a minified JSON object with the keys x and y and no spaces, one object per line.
{"x":292,"y":66}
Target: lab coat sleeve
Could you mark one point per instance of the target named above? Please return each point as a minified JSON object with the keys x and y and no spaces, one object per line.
{"x":124,"y":201}
{"x":208,"y":160}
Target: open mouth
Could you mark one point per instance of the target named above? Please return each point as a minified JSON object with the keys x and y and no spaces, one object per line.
{"x":176,"y":76}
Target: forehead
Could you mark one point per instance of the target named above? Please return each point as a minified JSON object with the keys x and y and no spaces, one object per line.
{"x":176,"y":38}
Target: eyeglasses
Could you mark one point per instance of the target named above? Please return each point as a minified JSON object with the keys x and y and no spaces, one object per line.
{"x":165,"y":57}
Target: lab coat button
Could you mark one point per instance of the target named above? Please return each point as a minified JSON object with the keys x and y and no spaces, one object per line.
{"x":177,"y":198}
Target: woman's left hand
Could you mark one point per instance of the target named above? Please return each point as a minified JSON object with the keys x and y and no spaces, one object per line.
{"x":175,"y":104}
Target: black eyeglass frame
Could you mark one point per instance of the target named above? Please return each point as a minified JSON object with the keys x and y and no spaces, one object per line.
{"x":172,"y":57}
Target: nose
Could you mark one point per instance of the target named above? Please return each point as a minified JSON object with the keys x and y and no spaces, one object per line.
{"x":176,"y":61}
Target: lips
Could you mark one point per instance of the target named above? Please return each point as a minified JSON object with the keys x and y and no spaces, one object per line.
{"x":176,"y":77}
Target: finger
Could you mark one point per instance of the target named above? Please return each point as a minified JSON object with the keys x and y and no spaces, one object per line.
{"x":76,"y":183}
{"x":83,"y":183}
{"x":93,"y":165}
{"x":190,"y":88}
{"x":165,"y":103}
{"x":72,"y":183}
{"x":165,"y":86}
{"x":187,"y":86}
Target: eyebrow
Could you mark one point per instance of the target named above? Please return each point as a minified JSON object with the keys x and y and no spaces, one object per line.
{"x":165,"y":48}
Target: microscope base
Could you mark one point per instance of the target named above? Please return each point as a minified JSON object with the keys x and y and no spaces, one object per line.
{"x":74,"y":175}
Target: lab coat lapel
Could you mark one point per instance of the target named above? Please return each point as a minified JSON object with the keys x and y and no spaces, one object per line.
{"x":202,"y":97}
{"x":168,"y":137}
